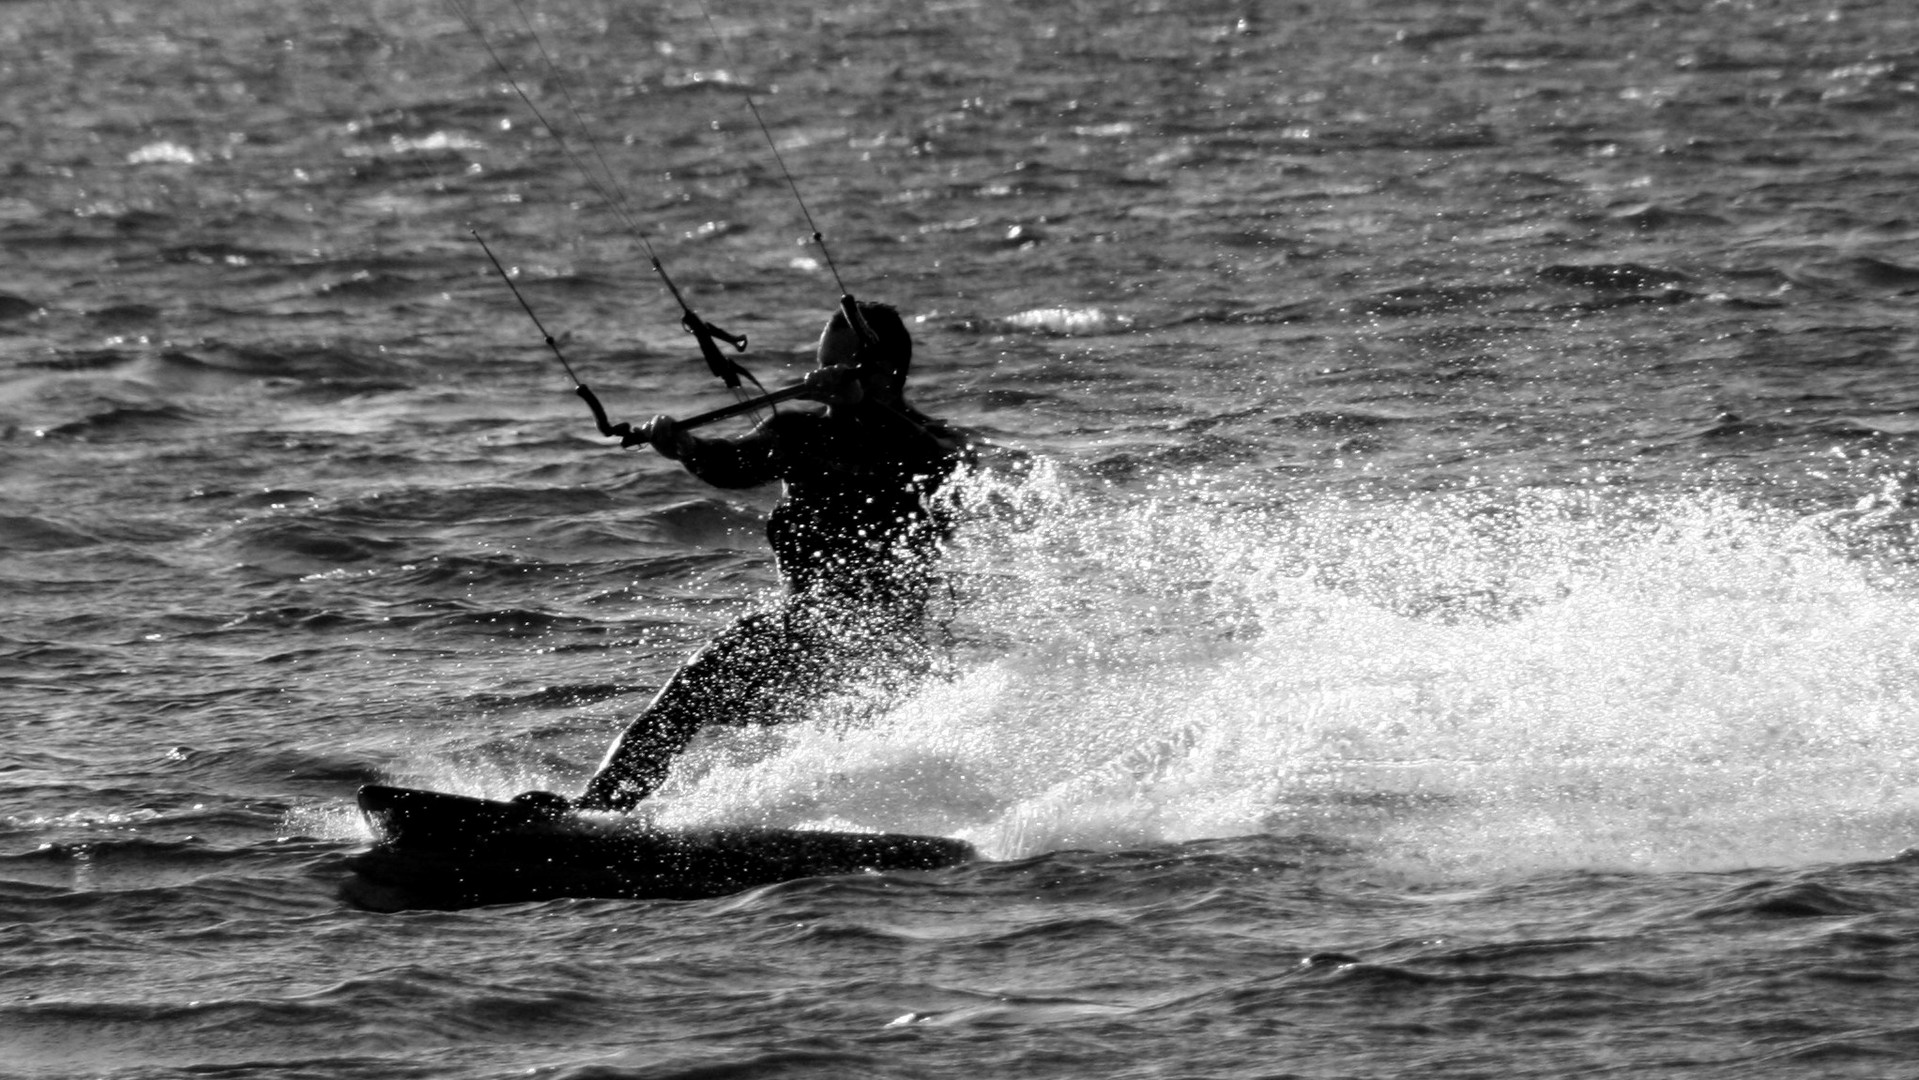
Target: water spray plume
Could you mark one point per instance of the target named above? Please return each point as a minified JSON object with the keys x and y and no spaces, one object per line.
{"x":1552,"y":681}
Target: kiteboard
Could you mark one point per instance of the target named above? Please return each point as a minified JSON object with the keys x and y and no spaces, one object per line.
{"x":436,"y":850}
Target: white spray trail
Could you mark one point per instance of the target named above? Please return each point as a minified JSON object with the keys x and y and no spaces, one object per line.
{"x":1470,"y":682}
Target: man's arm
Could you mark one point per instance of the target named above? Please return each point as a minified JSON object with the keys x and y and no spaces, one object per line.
{"x":759,"y":457}
{"x":748,"y":461}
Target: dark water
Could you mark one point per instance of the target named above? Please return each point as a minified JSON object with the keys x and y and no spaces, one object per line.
{"x":1458,"y":617}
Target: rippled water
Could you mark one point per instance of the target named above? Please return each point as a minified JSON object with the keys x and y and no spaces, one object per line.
{"x":1445,"y":601}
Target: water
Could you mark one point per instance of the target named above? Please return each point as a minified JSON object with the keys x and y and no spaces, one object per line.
{"x":1444,"y":602}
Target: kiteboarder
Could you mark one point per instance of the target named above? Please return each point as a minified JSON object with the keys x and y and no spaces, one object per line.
{"x":856,"y":538}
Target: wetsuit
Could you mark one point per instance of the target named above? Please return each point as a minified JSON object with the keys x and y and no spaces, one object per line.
{"x":856,"y":539}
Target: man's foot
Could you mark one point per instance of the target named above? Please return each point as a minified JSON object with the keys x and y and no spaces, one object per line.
{"x":543,"y":805}
{"x":605,"y":797}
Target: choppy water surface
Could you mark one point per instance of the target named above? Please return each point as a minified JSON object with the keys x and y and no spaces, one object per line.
{"x":1445,"y":603}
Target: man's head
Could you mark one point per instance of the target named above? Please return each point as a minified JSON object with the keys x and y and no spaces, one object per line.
{"x":883,"y":363}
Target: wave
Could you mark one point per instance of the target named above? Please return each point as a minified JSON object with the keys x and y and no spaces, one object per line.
{"x":297,"y":548}
{"x":123,"y":422}
{"x":25,"y":532}
{"x":13,"y":308}
{"x":441,"y":505}
{"x":1068,"y":322}
{"x":290,"y":360}
{"x":562,"y":696}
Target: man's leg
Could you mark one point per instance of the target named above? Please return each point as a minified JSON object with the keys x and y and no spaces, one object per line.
{"x":753,"y":673}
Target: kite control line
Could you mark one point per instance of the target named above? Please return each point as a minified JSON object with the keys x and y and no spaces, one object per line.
{"x":626,"y":433}
{"x":708,"y":335}
{"x":847,"y":304}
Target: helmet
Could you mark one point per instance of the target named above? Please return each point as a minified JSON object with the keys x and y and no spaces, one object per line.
{"x":885,"y":350}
